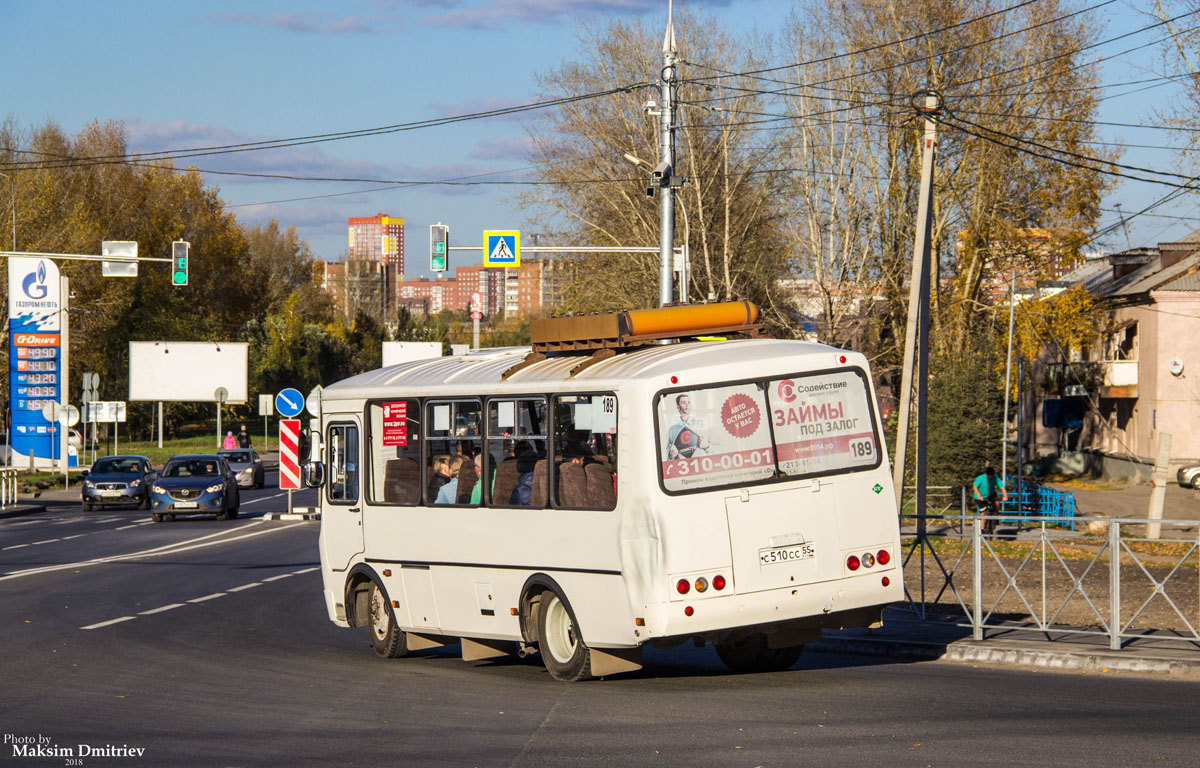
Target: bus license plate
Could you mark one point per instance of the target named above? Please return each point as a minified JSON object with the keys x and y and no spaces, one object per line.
{"x":186,"y":505}
{"x":772,"y":555}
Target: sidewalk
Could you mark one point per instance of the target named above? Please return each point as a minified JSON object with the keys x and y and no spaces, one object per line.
{"x":903,"y":637}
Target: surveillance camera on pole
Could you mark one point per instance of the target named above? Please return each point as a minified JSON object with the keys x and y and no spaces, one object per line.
{"x":661,"y":173}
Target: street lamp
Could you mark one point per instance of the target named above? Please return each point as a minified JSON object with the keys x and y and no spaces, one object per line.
{"x":13,"y":183}
{"x":686,"y":267}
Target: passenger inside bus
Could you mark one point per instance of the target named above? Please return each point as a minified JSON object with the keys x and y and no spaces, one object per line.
{"x":447,"y":493}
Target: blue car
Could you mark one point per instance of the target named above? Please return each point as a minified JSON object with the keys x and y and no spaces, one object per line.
{"x":200,"y":484}
{"x":118,"y":480}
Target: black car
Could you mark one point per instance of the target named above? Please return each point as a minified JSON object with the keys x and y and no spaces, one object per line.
{"x":198,"y":484}
{"x":118,"y":480}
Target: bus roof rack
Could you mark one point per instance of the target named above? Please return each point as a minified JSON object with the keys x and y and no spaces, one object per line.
{"x":609,"y":333}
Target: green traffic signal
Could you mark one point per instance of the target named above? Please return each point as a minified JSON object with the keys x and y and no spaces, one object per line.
{"x":179,"y":262}
{"x":439,"y":244}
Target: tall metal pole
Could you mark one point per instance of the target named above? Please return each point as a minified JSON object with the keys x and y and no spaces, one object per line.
{"x":918,"y":289}
{"x":63,"y":378}
{"x":1012,"y":303}
{"x":666,"y":237}
{"x":13,"y":184}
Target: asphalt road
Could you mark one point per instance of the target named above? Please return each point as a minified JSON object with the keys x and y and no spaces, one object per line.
{"x":205,"y":643}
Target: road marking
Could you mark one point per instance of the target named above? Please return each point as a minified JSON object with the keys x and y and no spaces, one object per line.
{"x":110,"y":621}
{"x":308,"y":570}
{"x":76,"y":536}
{"x":166,"y":549}
{"x":264,"y":498}
{"x":127,"y":527}
{"x":277,"y":578}
{"x":63,"y":522}
{"x":28,"y":522}
{"x":207,"y":597}
{"x":108,"y":520}
{"x":251,"y":585}
{"x":47,"y":541}
{"x":15,"y":546}
{"x":160,"y":610}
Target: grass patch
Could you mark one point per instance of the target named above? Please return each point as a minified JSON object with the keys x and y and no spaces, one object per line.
{"x":149,"y":448}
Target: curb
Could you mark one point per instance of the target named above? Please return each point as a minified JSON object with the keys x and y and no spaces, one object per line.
{"x":971,"y":652}
{"x":23,"y":509}
{"x":297,"y":513}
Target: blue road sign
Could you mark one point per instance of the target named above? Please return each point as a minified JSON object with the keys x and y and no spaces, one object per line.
{"x":289,"y":402}
{"x":502,"y":248}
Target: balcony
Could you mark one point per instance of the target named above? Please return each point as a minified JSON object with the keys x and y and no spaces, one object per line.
{"x":1120,"y":378}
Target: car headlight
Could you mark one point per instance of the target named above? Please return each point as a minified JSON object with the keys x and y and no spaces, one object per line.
{"x":135,"y":483}
{"x":215,"y":487}
{"x":88,"y":484}
{"x":247,"y":471}
{"x":159,"y":489}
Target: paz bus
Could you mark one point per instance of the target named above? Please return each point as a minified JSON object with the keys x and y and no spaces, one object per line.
{"x":623,"y":482}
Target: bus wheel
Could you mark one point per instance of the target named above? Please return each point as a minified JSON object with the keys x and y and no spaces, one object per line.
{"x":752,"y":654}
{"x":387,"y":638}
{"x":563,"y":651}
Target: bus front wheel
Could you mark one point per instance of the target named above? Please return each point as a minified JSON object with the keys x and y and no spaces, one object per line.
{"x":752,"y":654}
{"x":562,"y":648}
{"x":388,"y":640}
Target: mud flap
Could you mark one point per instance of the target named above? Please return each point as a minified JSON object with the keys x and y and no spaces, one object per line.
{"x":475,"y":649}
{"x":612,"y":661}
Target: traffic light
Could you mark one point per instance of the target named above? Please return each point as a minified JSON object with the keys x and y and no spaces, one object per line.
{"x":439,"y":246}
{"x":179,"y":262}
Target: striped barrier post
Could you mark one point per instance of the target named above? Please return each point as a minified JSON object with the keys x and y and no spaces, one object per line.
{"x":289,"y":457}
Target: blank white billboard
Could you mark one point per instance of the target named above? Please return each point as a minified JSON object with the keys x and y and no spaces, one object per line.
{"x":187,"y":371}
{"x":395,"y":352}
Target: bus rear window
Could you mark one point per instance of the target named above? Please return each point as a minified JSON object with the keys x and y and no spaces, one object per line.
{"x":746,"y":433}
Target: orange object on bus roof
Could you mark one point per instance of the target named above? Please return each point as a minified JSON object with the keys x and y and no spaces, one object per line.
{"x":691,"y":318}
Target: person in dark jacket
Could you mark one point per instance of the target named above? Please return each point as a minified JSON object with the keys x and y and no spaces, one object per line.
{"x":243,"y":437}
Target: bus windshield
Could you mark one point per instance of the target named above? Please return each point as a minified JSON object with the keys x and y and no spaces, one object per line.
{"x":757,"y":431}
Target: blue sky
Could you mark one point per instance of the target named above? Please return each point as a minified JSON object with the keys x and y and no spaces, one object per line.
{"x":184,"y":74}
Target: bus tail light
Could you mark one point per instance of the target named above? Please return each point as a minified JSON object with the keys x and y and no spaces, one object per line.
{"x":718,"y":582}
{"x":884,"y":557}
{"x":852,"y":562}
{"x":682,"y":586}
{"x":886,"y":581}
{"x":688,"y":611}
{"x":868,"y":560}
{"x":701,"y":584}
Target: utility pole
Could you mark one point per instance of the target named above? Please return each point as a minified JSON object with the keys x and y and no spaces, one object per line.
{"x":666,"y":117}
{"x":918,"y":315}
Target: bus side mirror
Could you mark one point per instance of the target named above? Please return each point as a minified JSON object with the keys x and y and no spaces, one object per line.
{"x":314,"y":474}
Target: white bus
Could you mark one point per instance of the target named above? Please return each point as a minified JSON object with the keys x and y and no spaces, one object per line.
{"x":727,"y":491}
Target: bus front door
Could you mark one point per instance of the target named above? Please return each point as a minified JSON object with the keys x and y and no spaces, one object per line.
{"x":341,"y":516}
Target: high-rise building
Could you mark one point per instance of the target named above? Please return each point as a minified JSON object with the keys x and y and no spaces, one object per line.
{"x":378,"y":238}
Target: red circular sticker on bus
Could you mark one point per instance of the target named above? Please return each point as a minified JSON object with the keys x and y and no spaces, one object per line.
{"x":740,"y":416}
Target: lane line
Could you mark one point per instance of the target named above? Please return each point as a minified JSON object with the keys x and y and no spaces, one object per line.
{"x":277,"y":578}
{"x":125,"y":527}
{"x":251,"y":585}
{"x":47,"y":541}
{"x":307,"y":570}
{"x":110,"y":621}
{"x":63,"y":522}
{"x":207,"y":597}
{"x":160,"y":610}
{"x":167,"y":549}
{"x":76,"y":536}
{"x":264,"y":498}
{"x":14,"y":546}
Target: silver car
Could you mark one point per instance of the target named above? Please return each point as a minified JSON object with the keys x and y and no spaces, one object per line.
{"x":246,"y":464}
{"x":1189,"y":476}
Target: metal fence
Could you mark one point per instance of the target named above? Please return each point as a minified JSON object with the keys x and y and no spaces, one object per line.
{"x":8,"y":486}
{"x":1104,"y":579}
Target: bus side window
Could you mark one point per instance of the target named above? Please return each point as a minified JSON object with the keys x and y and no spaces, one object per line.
{"x":516,"y":441}
{"x":343,"y":463}
{"x":585,"y":452}
{"x":394,"y":452}
{"x":454,"y":429}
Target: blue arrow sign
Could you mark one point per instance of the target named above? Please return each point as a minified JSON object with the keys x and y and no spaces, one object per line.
{"x":289,"y":402}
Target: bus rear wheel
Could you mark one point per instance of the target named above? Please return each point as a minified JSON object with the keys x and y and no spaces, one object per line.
{"x":752,"y":654}
{"x":563,"y":651}
{"x":388,"y":640}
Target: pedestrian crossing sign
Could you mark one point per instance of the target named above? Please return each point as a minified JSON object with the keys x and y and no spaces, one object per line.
{"x":502,"y":248}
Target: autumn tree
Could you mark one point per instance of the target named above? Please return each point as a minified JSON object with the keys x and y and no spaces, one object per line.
{"x":730,"y":209}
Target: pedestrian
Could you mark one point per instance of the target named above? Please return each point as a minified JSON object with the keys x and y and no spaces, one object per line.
{"x":986,"y":488}
{"x":230,"y":441}
{"x":243,"y":437}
